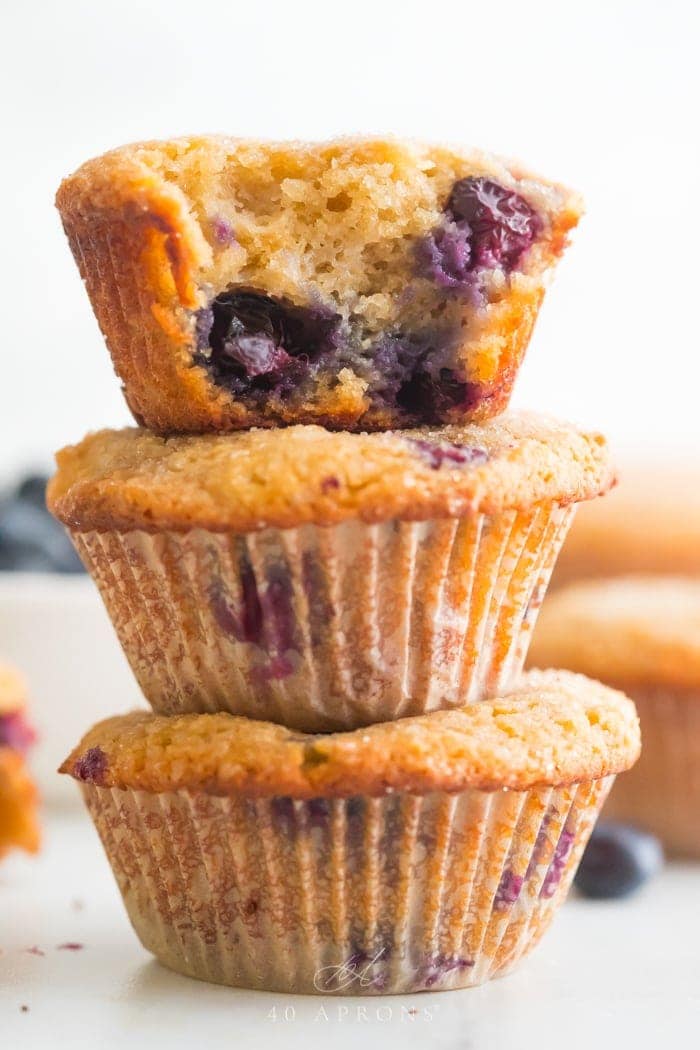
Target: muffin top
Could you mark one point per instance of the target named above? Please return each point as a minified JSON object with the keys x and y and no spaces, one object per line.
{"x":282,"y":478}
{"x":555,"y":728}
{"x":649,"y":524}
{"x":636,"y":629}
{"x":359,"y":284}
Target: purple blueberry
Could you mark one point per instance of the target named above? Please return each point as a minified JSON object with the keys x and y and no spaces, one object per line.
{"x":32,"y":489}
{"x":617,"y":861}
{"x":428,"y":398}
{"x":445,"y":256}
{"x":223,"y":231}
{"x":30,"y":539}
{"x":247,"y":338}
{"x":258,"y":355}
{"x":449,"y":453}
{"x":501,"y":223}
{"x":92,"y":766}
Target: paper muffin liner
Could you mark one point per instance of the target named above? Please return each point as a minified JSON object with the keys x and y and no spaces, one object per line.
{"x":662,"y":792}
{"x":359,"y":896}
{"x":328,"y":628}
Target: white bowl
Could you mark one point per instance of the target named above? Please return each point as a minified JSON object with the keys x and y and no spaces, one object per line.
{"x":55,"y":630}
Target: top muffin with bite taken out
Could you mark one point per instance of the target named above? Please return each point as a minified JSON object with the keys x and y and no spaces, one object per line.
{"x":359,"y":283}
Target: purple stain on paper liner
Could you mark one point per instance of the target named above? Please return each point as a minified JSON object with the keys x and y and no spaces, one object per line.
{"x":277,"y":668}
{"x":278,"y":609}
{"x":91,"y":767}
{"x":449,"y":454}
{"x":283,"y":814}
{"x":320,"y":605}
{"x":508,"y":890}
{"x":317,"y":812}
{"x":263,"y":616}
{"x":70,"y":946}
{"x":16,"y":732}
{"x":558,"y":862}
{"x":245,"y":621}
{"x":437,"y":967}
{"x":312,"y":813}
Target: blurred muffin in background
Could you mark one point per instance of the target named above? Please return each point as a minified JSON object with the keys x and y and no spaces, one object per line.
{"x":650,"y":523}
{"x":640,"y":634}
{"x":19,"y":828}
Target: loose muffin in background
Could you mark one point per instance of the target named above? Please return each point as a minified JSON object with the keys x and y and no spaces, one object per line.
{"x":641,"y":635}
{"x":650,"y":523}
{"x":19,"y":828}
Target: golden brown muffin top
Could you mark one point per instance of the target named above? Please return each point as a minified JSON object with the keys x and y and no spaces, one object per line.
{"x":178,"y":174}
{"x":635,"y":629}
{"x":554,"y":728}
{"x":123,"y":479}
{"x":13,"y":690}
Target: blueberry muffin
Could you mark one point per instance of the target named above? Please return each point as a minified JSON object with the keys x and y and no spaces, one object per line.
{"x":427,"y":853}
{"x":650,"y":524}
{"x":641,"y":634}
{"x":320,"y":579}
{"x":19,"y":828}
{"x":358,"y":283}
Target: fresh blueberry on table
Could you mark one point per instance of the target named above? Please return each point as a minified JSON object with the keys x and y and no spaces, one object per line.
{"x":30,"y":539}
{"x":618,"y":860}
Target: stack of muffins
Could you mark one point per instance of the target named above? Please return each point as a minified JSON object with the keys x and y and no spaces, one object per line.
{"x":323,"y":550}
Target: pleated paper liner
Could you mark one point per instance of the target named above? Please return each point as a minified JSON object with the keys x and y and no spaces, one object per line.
{"x":328,"y":628}
{"x":662,"y":792}
{"x":360,"y":896}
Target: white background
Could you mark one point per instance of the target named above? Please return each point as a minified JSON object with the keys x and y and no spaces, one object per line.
{"x":602,"y":95}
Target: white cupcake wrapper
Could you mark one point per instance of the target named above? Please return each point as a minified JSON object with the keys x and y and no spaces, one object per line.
{"x":328,"y":628}
{"x":662,"y":791}
{"x":351,"y":897}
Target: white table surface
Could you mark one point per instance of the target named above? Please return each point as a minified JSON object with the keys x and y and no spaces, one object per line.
{"x":608,"y":975}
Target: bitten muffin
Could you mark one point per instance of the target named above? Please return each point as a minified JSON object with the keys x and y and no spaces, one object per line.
{"x":641,"y":634}
{"x":19,"y":828}
{"x":326,"y":580}
{"x":427,"y":853}
{"x":650,"y":524}
{"x":358,"y":283}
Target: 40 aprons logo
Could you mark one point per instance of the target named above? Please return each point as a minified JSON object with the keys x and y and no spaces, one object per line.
{"x":353,"y":1013}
